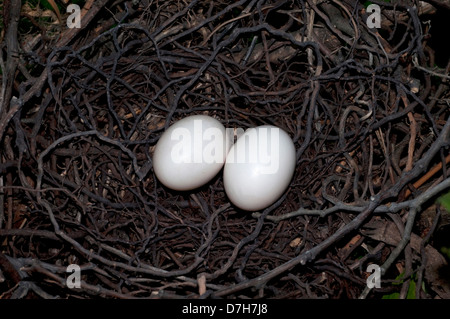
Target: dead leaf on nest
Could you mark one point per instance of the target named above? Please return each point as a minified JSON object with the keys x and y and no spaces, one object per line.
{"x":388,"y":233}
{"x":296,"y":242}
{"x":39,"y":13}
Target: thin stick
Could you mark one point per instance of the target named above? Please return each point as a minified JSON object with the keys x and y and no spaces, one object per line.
{"x":436,"y":168}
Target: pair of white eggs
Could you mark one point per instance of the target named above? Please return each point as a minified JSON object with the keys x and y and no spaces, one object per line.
{"x":258,"y":167}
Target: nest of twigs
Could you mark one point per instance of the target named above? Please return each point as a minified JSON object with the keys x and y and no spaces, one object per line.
{"x":83,"y":109}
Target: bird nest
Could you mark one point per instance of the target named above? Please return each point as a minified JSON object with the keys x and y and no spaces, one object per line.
{"x":82,"y":213}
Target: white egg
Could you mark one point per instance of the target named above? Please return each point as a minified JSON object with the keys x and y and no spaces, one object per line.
{"x":191,"y":152}
{"x":259,"y":167}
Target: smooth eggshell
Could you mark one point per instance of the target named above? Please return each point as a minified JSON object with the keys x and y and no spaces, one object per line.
{"x":191,"y":152}
{"x":259,"y":167}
